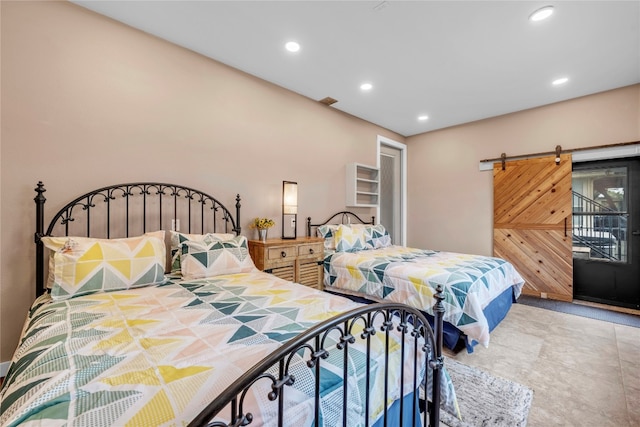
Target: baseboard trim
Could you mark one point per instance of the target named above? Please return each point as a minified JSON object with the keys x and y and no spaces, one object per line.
{"x":4,"y":367}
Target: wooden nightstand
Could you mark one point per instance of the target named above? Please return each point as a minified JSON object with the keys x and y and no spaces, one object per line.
{"x":297,"y":260}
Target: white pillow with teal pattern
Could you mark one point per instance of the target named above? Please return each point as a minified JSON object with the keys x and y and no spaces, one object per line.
{"x":327,"y":231}
{"x":178,"y":238}
{"x":378,"y":236}
{"x":199,"y":259}
{"x":83,"y":265}
{"x":351,"y":238}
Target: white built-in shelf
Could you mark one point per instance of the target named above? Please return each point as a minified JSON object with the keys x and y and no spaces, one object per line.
{"x":363,"y":185}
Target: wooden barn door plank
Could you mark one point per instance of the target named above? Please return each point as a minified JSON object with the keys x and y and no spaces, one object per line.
{"x":532,"y":223}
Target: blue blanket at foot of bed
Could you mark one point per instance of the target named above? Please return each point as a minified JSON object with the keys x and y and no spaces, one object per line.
{"x":452,"y":337}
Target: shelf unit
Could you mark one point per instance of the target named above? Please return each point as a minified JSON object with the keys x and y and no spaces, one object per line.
{"x":363,"y":185}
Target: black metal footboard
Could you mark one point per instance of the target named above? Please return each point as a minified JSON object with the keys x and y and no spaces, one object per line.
{"x":420,"y":349}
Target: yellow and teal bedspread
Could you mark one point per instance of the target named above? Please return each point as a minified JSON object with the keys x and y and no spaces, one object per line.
{"x":156,"y":356}
{"x":410,"y":276}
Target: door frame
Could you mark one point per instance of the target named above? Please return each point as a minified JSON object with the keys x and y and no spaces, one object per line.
{"x":403,"y":182}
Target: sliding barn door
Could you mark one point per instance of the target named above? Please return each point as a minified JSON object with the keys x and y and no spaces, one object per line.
{"x":532,"y":223}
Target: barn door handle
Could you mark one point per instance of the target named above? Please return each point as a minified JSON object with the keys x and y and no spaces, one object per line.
{"x":565,"y":226}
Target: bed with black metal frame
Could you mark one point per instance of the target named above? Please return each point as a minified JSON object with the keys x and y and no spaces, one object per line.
{"x":52,"y":379}
{"x":371,"y":272}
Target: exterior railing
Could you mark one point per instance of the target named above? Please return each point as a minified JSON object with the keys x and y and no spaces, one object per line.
{"x":600,"y":229}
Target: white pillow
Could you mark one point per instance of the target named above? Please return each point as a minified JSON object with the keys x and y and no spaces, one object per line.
{"x":199,"y":259}
{"x":178,"y":238}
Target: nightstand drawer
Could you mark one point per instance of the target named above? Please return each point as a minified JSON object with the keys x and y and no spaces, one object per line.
{"x":281,"y":253}
{"x":310,"y":250}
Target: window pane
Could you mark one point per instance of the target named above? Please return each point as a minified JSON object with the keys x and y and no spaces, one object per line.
{"x":600,"y":213}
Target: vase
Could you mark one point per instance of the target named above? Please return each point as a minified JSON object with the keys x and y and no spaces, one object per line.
{"x":262,"y":234}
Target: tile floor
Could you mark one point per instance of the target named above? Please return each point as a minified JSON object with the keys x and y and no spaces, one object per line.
{"x":584,"y":372}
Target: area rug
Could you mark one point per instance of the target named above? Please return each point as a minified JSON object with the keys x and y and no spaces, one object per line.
{"x":486,"y":400}
{"x":582,"y":310}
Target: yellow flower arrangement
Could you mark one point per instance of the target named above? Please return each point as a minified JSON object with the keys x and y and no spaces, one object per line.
{"x":262,"y":223}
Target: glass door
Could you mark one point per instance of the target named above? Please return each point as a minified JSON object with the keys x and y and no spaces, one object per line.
{"x":392,"y":162}
{"x":606,"y":236}
{"x":390,"y":192}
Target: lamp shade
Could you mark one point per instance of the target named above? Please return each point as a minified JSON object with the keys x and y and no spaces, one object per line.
{"x":289,"y":197}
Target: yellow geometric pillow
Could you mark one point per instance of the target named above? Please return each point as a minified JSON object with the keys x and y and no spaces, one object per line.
{"x":350,"y":238}
{"x":83,"y":265}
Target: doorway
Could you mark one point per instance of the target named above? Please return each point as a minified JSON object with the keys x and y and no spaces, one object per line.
{"x":606,"y":232}
{"x":392,"y":208}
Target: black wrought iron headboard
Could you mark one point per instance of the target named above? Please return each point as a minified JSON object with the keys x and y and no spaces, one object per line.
{"x":345,"y":218}
{"x":132,"y":209}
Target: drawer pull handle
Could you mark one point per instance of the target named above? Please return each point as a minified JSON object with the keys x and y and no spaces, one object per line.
{"x":311,"y":251}
{"x":283,"y":254}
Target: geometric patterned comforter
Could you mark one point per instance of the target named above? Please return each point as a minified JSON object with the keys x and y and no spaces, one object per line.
{"x":410,"y":276}
{"x":157,"y":355}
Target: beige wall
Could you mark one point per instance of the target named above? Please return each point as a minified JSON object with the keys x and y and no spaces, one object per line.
{"x":450,"y":200}
{"x":88,"y":102}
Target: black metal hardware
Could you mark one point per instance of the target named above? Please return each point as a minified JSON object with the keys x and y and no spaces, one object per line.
{"x":128,"y":208}
{"x":311,"y":252}
{"x":283,"y":254}
{"x":636,"y":232}
{"x":503,"y":160}
{"x":558,"y":152}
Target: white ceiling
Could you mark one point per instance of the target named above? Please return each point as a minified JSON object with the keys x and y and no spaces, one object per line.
{"x":455,"y":61}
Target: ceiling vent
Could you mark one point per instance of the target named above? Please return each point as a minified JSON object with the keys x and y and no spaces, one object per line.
{"x":328,"y":101}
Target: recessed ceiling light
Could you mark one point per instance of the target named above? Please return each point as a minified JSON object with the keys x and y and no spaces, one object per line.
{"x":542,"y":13}
{"x":366,"y":86}
{"x":292,"y":46}
{"x":423,"y":118}
{"x":560,"y":81}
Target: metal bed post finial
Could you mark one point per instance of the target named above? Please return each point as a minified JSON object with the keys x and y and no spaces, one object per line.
{"x":238,"y":227}
{"x":438,"y":363}
{"x":39,"y":199}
